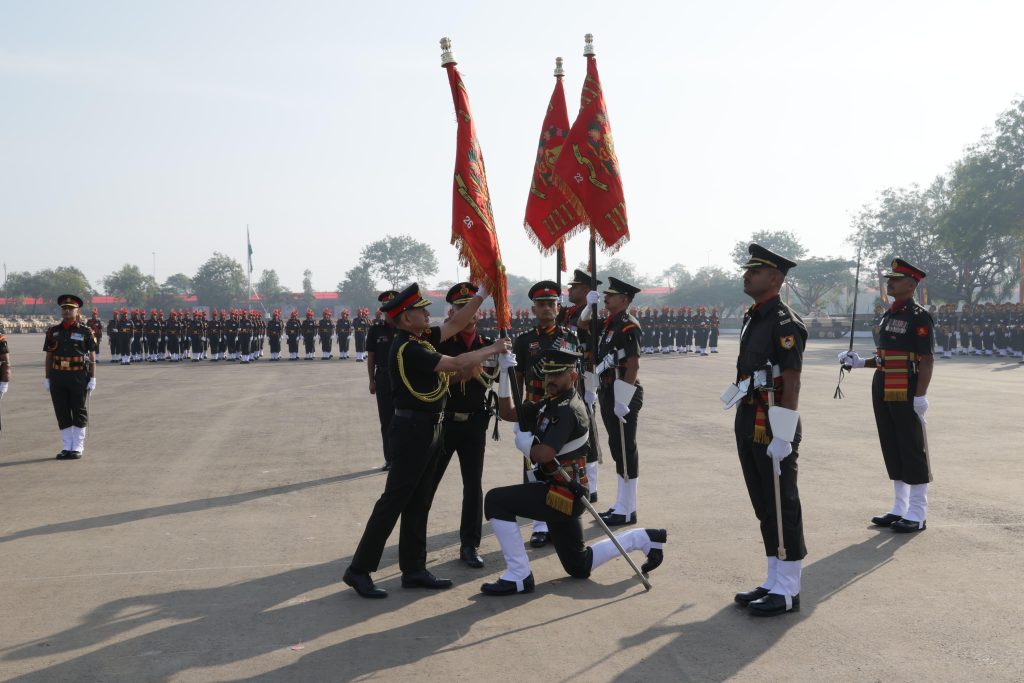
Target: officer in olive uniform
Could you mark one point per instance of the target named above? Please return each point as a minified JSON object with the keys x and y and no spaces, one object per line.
{"x":770,"y":360}
{"x":419,"y":379}
{"x":466,"y":417}
{"x":620,"y":394}
{"x":378,"y":346}
{"x":903,"y":363}
{"x":529,"y":348}
{"x":552,"y":433}
{"x":325,"y":328}
{"x":292,"y":329}
{"x":70,"y":375}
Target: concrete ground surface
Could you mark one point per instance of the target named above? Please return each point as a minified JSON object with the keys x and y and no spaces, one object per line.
{"x":204,"y":534}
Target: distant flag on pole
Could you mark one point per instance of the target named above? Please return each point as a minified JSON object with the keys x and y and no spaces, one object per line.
{"x":550,"y":217}
{"x":473,"y":230}
{"x":248,"y":243}
{"x":587,"y":170}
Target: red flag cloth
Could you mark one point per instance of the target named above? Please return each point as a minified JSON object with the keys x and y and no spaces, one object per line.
{"x":587,"y":172}
{"x":473,"y":232}
{"x":550,"y":217}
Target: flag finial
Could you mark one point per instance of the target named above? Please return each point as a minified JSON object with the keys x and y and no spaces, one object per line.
{"x":559,"y":71}
{"x":588,"y":49}
{"x":446,"y":52}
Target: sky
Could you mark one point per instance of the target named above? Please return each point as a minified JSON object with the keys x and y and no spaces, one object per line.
{"x":155,"y":132}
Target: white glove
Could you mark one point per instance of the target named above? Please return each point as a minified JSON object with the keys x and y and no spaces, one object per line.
{"x":506,"y":360}
{"x":851,"y":358}
{"x":593,"y":297}
{"x":3,"y":388}
{"x":590,"y":398}
{"x":91,"y":386}
{"x":779,"y":450}
{"x":482,"y":291}
{"x":564,"y":299}
{"x":46,"y":384}
{"x":921,"y":407}
{"x":524,"y":440}
{"x":621,"y":410}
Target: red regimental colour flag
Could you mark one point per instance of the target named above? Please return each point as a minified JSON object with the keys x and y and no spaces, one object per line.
{"x":587,"y":170}
{"x":473,"y":232}
{"x":550,"y":217}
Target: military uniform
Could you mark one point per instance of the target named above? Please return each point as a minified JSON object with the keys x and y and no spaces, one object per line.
{"x":112,"y":337}
{"x":378,"y":351}
{"x":245,"y":332}
{"x":274,"y":329}
{"x":5,"y":365}
{"x":359,"y":328}
{"x":70,"y":376}
{"x":620,"y":341}
{"x":125,"y":330}
{"x":215,"y":335}
{"x":561,"y":424}
{"x":344,"y":329}
{"x":96,"y":326}
{"x":466,"y":417}
{"x":772,"y":341}
{"x":325,"y":328}
{"x":152,"y":332}
{"x":309,"y":328}
{"x":293,"y":329}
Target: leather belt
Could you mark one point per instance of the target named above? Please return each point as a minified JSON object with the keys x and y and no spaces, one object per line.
{"x":433,"y":418}
{"x":460,"y":417}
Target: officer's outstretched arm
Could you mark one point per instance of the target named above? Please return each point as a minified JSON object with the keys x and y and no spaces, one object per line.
{"x":460,"y":318}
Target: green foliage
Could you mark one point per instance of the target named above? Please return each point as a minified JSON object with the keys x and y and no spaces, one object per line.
{"x":358,"y":288}
{"x":179,"y":284}
{"x":782,"y":242}
{"x":132,"y":284}
{"x":623,"y":270}
{"x":47,"y":284}
{"x":307,"y":288}
{"x":269,"y":288}
{"x":711,"y":286}
{"x":399,"y":261}
{"x":220,"y":282}
{"x":676,"y":276}
{"x":815,"y":278}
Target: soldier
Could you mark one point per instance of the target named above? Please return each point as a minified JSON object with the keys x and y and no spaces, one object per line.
{"x":245,"y":332}
{"x":554,"y":436}
{"x":309,"y":328}
{"x":195,"y":335}
{"x":419,"y":379}
{"x":344,"y":329}
{"x":215,"y":334}
{"x":325,"y":327}
{"x":701,"y":330}
{"x":713,"y":324}
{"x":619,"y":393}
{"x":768,"y":430}
{"x":688,"y":330}
{"x":125,"y":330}
{"x":292,"y":329}
{"x":529,"y":348}
{"x":359,"y":328}
{"x":115,"y":357}
{"x":259,"y":324}
{"x":579,"y":288}
{"x":5,"y":365}
{"x":137,"y":330}
{"x":377,"y":347}
{"x":152,"y":332}
{"x":466,"y":417}
{"x":899,"y":389}
{"x":274,"y":329}
{"x":70,"y":375}
{"x":95,"y":325}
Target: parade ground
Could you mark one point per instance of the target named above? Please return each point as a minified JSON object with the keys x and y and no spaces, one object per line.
{"x":204,"y":535}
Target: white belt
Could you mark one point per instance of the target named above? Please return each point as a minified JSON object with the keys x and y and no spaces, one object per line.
{"x":575,"y":443}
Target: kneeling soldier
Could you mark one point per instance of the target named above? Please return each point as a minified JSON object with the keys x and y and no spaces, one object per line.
{"x":555,"y":437}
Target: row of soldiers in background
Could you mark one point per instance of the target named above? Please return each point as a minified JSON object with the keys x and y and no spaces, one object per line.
{"x":235,"y":335}
{"x":664,"y":331}
{"x":982,"y":330}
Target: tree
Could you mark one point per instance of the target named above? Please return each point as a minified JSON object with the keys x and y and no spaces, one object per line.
{"x":711,"y":286}
{"x":307,"y":287}
{"x":358,"y":288}
{"x":179,"y":284}
{"x":676,"y":276}
{"x":399,"y":261}
{"x":269,"y":287}
{"x":782,"y":242}
{"x":813,"y":279}
{"x":220,"y":282}
{"x":623,"y":270}
{"x":132,"y":284}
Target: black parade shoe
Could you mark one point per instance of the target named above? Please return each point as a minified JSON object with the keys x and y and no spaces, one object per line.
{"x":744,"y":599}
{"x":773,"y":604}
{"x":885,"y":520}
{"x":505,"y":587}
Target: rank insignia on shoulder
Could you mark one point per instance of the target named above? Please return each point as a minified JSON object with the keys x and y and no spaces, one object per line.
{"x":922,"y":331}
{"x":787,"y":342}
{"x":781,"y":312}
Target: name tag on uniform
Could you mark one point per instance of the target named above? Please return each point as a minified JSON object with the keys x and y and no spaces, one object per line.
{"x":77,"y":336}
